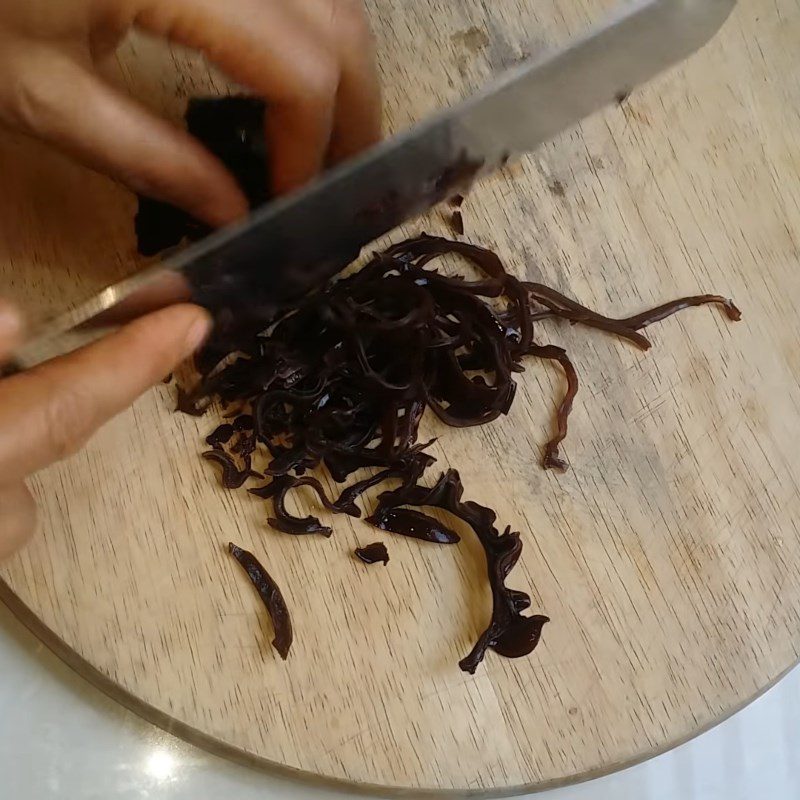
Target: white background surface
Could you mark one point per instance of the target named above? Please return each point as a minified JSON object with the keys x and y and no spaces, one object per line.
{"x":61,"y":738}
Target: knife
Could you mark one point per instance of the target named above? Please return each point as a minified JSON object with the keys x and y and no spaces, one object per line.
{"x":290,"y":246}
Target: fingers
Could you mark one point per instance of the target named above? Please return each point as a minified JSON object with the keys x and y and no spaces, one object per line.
{"x":357,"y":121}
{"x":310,"y":70}
{"x":357,"y":115}
{"x":17,"y":517}
{"x":48,"y":413}
{"x":58,"y":98}
{"x":312,"y":60}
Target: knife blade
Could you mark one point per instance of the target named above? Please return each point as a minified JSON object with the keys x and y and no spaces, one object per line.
{"x":294,"y":244}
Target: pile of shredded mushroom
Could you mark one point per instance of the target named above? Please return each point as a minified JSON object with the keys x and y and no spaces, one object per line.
{"x":343,"y":381}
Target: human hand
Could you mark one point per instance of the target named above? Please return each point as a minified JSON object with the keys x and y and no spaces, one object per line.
{"x":311,"y":60}
{"x":49,"y":412}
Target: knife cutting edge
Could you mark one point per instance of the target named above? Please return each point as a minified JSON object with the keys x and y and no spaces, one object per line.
{"x":296,"y":243}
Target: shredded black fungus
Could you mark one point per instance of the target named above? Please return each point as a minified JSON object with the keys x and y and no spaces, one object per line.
{"x":457,"y":223}
{"x":270,"y":593}
{"x":508,"y":632}
{"x":658,"y":313}
{"x":373,"y":553}
{"x":283,"y":521}
{"x":220,"y":435}
{"x":189,"y":405}
{"x":232,"y":476}
{"x":408,"y":522}
{"x":552,"y":460}
{"x":343,"y":381}
{"x":346,"y":500}
{"x":243,"y":422}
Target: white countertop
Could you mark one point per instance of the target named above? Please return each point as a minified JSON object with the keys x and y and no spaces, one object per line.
{"x":61,"y":738}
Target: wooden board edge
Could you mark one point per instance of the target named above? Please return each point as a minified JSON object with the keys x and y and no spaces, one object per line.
{"x":217,"y":747}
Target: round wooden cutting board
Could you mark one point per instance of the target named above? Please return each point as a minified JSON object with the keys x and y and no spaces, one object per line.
{"x":667,"y":556}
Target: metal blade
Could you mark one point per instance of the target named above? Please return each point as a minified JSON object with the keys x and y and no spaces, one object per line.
{"x":295,"y":244}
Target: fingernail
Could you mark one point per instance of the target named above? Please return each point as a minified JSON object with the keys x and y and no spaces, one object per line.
{"x":198,"y":333}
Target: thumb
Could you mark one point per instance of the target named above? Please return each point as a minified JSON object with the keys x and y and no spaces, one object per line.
{"x":60,"y":99}
{"x":49,"y":412}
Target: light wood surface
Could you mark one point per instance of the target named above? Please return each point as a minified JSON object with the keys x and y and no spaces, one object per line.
{"x":667,"y":557}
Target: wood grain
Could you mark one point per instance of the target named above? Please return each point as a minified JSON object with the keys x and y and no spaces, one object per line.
{"x":667,"y":557}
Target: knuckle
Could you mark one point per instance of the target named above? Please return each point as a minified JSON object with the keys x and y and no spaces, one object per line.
{"x":320,"y":80}
{"x":142,"y":180}
{"x":153,"y":345}
{"x":178,"y":179}
{"x":67,"y":423}
{"x":26,"y":101}
{"x":31,"y":100}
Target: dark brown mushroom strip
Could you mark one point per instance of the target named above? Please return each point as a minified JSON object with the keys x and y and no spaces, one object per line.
{"x":661,"y":312}
{"x":219,"y":436}
{"x":409,"y":469}
{"x":562,"y":306}
{"x":270,"y":593}
{"x":520,"y":637}
{"x":346,"y":500}
{"x":245,"y":445}
{"x":373,"y":553}
{"x":283,"y":520}
{"x":408,"y":522}
{"x":232,"y":128}
{"x":509,"y":632}
{"x":551,"y":459}
{"x":457,"y":223}
{"x":244,"y":422}
{"x":232,"y":476}
{"x":187,"y":403}
{"x":559,"y":305}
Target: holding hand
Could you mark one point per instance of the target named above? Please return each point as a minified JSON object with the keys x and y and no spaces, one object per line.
{"x":311,"y":60}
{"x":49,"y":413}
